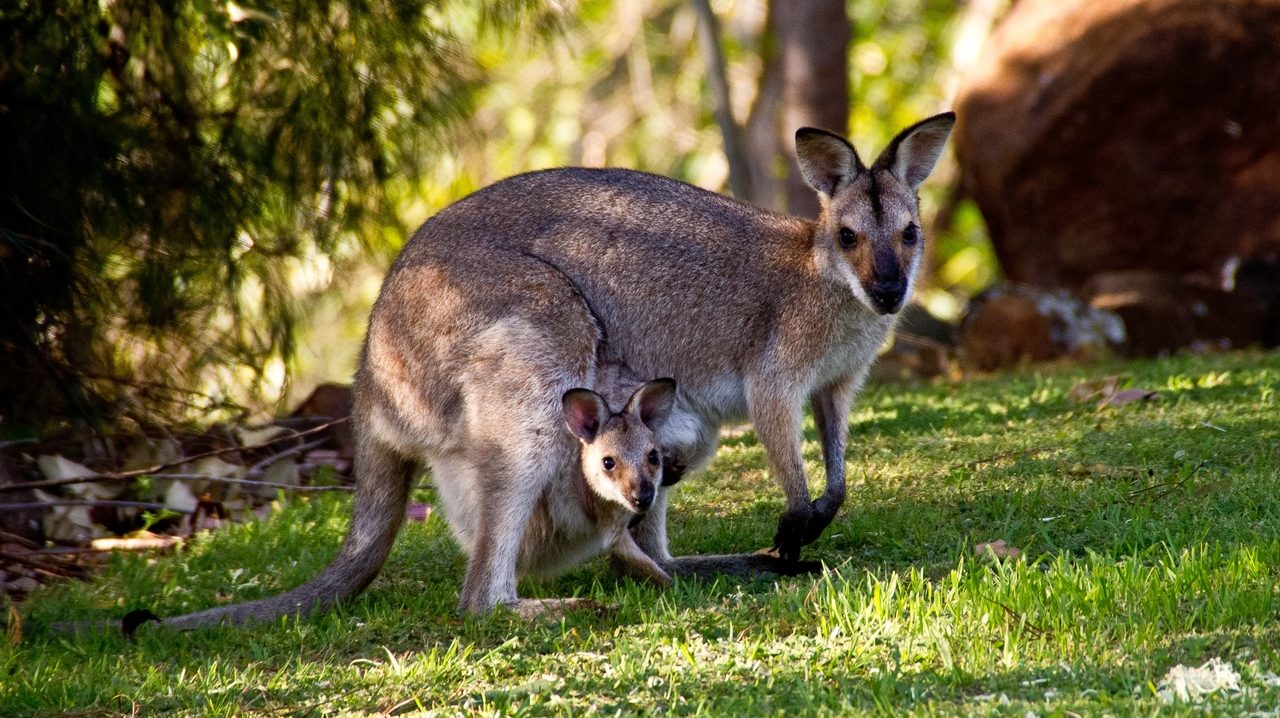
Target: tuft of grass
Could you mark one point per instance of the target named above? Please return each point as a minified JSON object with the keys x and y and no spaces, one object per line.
{"x":1150,"y":537}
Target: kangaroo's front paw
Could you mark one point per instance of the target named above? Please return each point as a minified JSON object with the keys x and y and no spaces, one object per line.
{"x":801,"y":527}
{"x":531,"y":609}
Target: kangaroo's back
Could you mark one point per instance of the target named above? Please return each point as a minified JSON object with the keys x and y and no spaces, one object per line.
{"x":687,"y":281}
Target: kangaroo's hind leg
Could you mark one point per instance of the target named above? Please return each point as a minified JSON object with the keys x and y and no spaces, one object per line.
{"x":510,"y":485}
{"x":518,"y":373}
{"x":503,"y":512}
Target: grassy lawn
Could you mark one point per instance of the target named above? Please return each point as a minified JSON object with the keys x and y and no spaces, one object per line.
{"x":1150,"y":537}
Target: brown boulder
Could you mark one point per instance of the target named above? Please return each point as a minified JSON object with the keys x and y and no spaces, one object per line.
{"x":1163,"y":313}
{"x":1010,"y":324}
{"x":1108,"y":135}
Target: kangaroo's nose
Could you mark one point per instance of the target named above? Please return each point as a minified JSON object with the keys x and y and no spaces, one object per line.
{"x":887,"y":295}
{"x":643,"y":495}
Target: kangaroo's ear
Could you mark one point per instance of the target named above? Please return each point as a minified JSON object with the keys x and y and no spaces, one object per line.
{"x":653,"y":402}
{"x":584,"y":413}
{"x":913,"y":153}
{"x":826,"y":159}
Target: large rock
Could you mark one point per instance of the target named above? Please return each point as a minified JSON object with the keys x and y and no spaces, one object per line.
{"x":1106,"y":135}
{"x":1009,"y":324}
{"x":1163,"y":313}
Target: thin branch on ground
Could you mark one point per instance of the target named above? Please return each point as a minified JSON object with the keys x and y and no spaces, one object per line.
{"x":15,"y":538}
{"x":1035,"y":630}
{"x":1031,"y":451}
{"x":150,"y":470}
{"x":262,"y":464}
{"x":249,"y":482}
{"x":27,"y":505}
{"x":1169,"y":486}
{"x":53,"y":568}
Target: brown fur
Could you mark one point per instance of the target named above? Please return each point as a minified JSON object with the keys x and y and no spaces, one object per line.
{"x":542,"y":282}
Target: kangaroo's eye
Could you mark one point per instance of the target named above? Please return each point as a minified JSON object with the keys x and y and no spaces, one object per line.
{"x":653,"y":457}
{"x":608,"y":463}
{"x":911,"y":235}
{"x":847,"y":238}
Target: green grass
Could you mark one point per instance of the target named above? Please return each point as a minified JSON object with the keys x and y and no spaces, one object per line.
{"x":1150,"y":532}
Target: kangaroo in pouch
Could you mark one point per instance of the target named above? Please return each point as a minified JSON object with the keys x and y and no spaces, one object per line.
{"x":546,"y":282}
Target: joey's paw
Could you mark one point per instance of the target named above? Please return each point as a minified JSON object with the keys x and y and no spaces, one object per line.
{"x":640,"y":571}
{"x":672,"y":470}
{"x":533,"y":609}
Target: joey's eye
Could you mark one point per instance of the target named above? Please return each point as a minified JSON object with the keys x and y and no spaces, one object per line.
{"x":911,"y":235}
{"x":608,"y":463}
{"x":653,"y":457}
{"x":847,"y":238}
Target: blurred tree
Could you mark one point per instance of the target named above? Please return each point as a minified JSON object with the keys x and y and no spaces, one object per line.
{"x":800,"y":45}
{"x":812,"y":47}
{"x":168,"y":167}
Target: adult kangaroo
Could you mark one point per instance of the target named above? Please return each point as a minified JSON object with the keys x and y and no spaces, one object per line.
{"x":535,"y":285}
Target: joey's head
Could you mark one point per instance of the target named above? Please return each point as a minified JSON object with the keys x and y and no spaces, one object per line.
{"x":868,"y":231}
{"x":621,"y":459}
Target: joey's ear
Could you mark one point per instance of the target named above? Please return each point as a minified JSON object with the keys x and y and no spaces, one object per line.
{"x":653,"y":402}
{"x":913,"y":153}
{"x":825,"y":159}
{"x":584,"y":413}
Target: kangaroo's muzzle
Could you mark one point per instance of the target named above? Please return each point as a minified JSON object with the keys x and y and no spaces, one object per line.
{"x":887,"y":296}
{"x":642,"y":496}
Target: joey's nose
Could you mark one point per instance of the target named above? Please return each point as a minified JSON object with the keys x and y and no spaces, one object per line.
{"x":643,"y":495}
{"x":887,"y":295}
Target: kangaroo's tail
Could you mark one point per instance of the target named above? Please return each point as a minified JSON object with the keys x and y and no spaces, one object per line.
{"x":383,"y":479}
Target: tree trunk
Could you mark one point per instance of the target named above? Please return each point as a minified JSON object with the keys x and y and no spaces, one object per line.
{"x":762,"y":134}
{"x":813,"y":43}
{"x":718,"y":83}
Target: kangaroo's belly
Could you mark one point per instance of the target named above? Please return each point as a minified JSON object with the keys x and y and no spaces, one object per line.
{"x":560,"y":536}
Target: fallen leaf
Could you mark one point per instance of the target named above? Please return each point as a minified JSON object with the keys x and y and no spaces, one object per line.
{"x":179,"y":497}
{"x":996,"y":549}
{"x":256,"y":437}
{"x":24,"y":584}
{"x":1107,"y":392}
{"x":1093,"y":388}
{"x":57,"y":468}
{"x":141,"y":541}
{"x":1128,"y":396}
{"x":13,"y":627}
{"x":1190,"y":685}
{"x":284,"y":471}
{"x":68,"y":524}
{"x":213,"y":466}
{"x":152,"y":452}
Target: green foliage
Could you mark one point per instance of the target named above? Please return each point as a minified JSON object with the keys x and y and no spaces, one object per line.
{"x":203,"y":195}
{"x":171,"y":166}
{"x":1124,"y":574}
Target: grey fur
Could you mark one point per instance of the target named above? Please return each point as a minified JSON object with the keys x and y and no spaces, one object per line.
{"x":559,"y":279}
